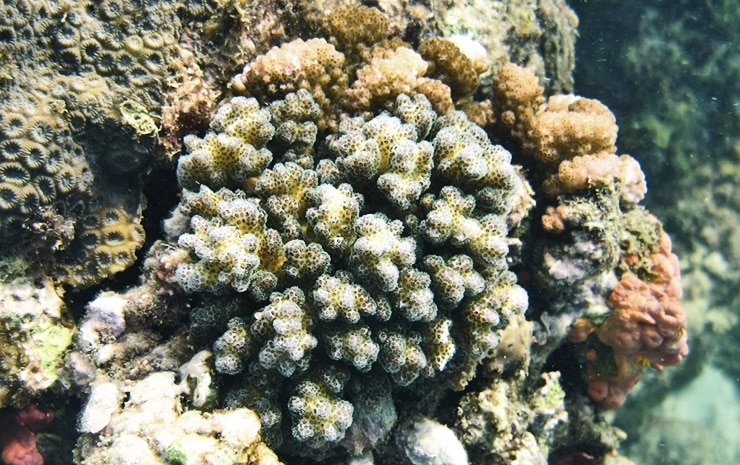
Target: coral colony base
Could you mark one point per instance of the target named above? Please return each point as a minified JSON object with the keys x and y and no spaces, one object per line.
{"x":390,"y":246}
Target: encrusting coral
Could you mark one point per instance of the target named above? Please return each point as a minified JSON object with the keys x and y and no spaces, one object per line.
{"x":644,"y":328}
{"x":40,"y":166}
{"x":583,"y":172}
{"x":80,"y":120}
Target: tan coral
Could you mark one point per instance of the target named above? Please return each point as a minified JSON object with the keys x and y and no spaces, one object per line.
{"x":40,"y":165}
{"x":390,"y":73}
{"x":563,"y":127}
{"x":314,"y":65}
{"x":450,"y":65}
{"x":568,"y":126}
{"x":355,"y":29}
{"x":518,"y":94}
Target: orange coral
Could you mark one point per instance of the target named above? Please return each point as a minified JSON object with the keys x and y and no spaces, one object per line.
{"x":553,"y":220}
{"x":645,"y":328}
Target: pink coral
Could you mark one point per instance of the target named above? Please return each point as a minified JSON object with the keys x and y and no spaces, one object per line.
{"x":594,"y":170}
{"x":17,"y":439}
{"x":645,"y":328}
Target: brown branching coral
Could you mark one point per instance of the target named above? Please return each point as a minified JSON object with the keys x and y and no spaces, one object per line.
{"x":392,"y":72}
{"x":314,"y":65}
{"x":568,"y":126}
{"x":552,"y":130}
{"x":448,"y":64}
{"x":354,"y":30}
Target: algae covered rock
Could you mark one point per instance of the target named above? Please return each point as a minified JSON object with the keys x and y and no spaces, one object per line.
{"x":35,"y":332}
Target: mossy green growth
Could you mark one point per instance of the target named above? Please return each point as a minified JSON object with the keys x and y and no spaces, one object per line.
{"x":553,"y":397}
{"x":597,"y":314}
{"x":13,"y":270}
{"x":175,"y":455}
{"x":35,"y":333}
{"x":193,"y":449}
{"x":51,"y":343}
{"x":136,"y":115}
{"x":640,"y":239}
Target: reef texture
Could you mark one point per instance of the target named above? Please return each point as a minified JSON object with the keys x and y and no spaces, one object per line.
{"x":150,"y":428}
{"x":84,"y":86}
{"x":386,"y":236}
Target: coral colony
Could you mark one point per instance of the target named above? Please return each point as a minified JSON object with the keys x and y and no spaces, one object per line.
{"x":378,"y":243}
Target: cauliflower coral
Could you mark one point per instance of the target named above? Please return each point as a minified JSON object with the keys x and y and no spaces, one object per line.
{"x":370,"y":254}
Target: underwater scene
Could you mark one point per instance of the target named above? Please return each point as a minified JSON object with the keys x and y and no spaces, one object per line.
{"x":369,"y":232}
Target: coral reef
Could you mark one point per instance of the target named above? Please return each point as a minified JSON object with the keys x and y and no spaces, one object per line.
{"x":592,"y":194}
{"x":644,"y":328}
{"x":149,"y":398}
{"x":343,"y":275}
{"x":594,"y":250}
